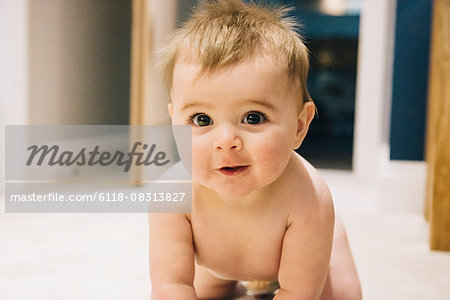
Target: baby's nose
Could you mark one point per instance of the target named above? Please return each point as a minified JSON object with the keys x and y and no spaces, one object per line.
{"x":228,"y":138}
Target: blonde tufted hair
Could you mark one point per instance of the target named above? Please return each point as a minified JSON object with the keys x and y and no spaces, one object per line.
{"x":224,"y":32}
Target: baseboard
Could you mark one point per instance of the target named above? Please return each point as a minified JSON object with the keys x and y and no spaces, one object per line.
{"x":401,"y":186}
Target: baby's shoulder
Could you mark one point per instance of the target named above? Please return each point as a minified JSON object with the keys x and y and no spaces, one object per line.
{"x":311,"y":195}
{"x":315,"y":180}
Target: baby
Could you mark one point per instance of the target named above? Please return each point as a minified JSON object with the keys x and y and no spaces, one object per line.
{"x":237,"y":74}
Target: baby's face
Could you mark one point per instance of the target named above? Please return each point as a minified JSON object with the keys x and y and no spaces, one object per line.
{"x":244,"y":122}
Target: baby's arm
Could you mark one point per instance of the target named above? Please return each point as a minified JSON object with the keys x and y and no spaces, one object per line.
{"x":171,"y":257}
{"x":306,"y":251}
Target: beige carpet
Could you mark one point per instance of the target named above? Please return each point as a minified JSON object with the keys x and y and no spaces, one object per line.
{"x":390,"y":248}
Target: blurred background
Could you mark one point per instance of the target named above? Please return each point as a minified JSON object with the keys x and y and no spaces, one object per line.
{"x":68,"y":62}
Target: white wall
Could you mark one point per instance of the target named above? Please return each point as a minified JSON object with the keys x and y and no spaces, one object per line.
{"x":13,"y":71}
{"x":373,"y":85}
{"x":400,"y":185}
{"x":79,"y":61}
{"x":13,"y":59}
{"x":63,"y":62}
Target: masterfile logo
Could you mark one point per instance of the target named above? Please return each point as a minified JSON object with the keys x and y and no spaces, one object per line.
{"x":91,"y":158}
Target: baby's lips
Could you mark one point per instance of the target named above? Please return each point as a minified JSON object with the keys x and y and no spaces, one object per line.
{"x":236,"y":170}
{"x":231,"y":164}
{"x":233,"y":167}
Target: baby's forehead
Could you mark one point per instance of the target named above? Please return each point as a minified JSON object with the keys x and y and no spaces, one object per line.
{"x":190,"y":65}
{"x":252,"y":78}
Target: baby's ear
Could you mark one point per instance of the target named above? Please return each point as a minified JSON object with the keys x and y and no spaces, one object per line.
{"x":305,"y":117}
{"x":170,"y":109}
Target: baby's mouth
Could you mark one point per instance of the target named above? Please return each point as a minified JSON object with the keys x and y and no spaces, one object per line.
{"x":236,"y":170}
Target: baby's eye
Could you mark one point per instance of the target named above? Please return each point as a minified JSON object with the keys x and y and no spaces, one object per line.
{"x":254,"y":118}
{"x":201,"y":120}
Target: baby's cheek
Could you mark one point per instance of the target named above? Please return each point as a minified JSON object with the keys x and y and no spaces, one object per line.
{"x":268,"y":152}
{"x":199,"y":158}
{"x":273,"y":156}
{"x":273,"y":145}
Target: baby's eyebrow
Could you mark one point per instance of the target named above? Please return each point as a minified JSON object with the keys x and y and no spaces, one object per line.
{"x":195,"y":104}
{"x":262,"y":103}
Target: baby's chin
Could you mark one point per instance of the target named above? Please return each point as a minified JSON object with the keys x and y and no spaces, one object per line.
{"x":236,"y":189}
{"x":223,"y":190}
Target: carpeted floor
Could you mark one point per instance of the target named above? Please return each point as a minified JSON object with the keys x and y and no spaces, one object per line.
{"x":391,"y":248}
